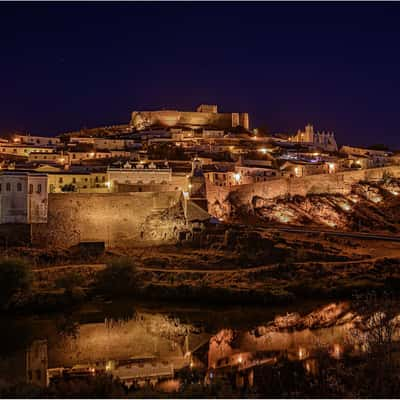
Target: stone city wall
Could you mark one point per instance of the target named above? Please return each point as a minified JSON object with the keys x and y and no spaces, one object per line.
{"x":220,"y":199}
{"x":117,"y":219}
{"x":190,"y":118}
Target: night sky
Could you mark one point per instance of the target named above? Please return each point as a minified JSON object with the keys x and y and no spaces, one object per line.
{"x":337,"y":65}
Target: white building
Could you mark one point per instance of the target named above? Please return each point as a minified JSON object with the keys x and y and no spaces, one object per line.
{"x":36,"y":140}
{"x":23,"y":150}
{"x":23,"y":197}
{"x":139,"y":174}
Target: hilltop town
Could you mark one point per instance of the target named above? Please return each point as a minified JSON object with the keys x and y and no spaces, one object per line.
{"x":190,"y":207}
{"x":167,"y":175}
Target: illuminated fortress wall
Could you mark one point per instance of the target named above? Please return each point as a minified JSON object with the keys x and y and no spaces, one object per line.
{"x":118,"y":219}
{"x":170,"y":118}
{"x":220,"y":198}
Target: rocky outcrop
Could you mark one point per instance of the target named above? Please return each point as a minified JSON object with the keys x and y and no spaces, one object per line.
{"x":368,"y":207}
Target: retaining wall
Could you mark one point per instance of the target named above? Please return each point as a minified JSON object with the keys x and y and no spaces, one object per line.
{"x":220,"y":198}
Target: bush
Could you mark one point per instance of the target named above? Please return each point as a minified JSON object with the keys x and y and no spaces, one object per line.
{"x":119,"y":278}
{"x":70,"y":281}
{"x":15,"y":277}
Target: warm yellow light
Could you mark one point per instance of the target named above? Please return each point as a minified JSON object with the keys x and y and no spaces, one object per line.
{"x":108,"y":184}
{"x":91,"y":154}
{"x":337,"y":350}
{"x":190,"y":185}
{"x":237,"y":177}
{"x":240,"y":360}
{"x":61,"y":160}
{"x":17,"y":140}
{"x":108,"y":366}
{"x":263,"y":150}
{"x":331,"y":167}
{"x":302,"y":353}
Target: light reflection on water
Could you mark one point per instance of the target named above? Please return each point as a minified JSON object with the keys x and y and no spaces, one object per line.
{"x":141,"y":341}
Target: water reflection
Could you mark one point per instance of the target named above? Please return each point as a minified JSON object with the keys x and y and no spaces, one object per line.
{"x":145,"y":345}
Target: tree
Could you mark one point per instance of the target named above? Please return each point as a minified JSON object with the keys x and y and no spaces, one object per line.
{"x":119,"y":278}
{"x":15,"y":277}
{"x":68,"y":188}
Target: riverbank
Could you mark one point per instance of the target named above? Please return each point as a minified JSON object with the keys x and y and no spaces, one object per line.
{"x":242,"y":266}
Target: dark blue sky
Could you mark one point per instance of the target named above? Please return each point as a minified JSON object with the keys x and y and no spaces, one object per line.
{"x":64,"y":66}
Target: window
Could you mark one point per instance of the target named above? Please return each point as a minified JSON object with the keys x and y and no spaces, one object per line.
{"x":30,"y":188}
{"x":60,"y":180}
{"x":73,"y":180}
{"x":97,"y":179}
{"x":0,"y":187}
{"x":8,"y":186}
{"x":39,"y":188}
{"x":19,"y":187}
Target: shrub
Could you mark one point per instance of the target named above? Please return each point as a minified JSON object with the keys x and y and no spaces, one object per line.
{"x":15,"y":277}
{"x":119,"y":278}
{"x":70,"y":281}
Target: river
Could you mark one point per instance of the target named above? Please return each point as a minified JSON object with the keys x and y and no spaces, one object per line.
{"x":131,"y":339}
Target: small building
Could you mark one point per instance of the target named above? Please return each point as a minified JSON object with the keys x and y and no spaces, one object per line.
{"x":37,"y":363}
{"x":45,"y":157}
{"x":297,"y":169}
{"x":145,"y":372}
{"x":36,"y":140}
{"x":23,"y":197}
{"x":376,"y":158}
{"x":72,"y":181}
{"x":139,"y":174}
{"x":23,"y":150}
{"x":77,"y":157}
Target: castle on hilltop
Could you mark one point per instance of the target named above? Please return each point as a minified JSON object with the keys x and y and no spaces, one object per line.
{"x":206,"y":116}
{"x":323,"y":140}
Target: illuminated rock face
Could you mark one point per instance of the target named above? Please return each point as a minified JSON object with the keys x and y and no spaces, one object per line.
{"x":326,"y":326}
{"x":334,"y":196}
{"x":203,"y":117}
